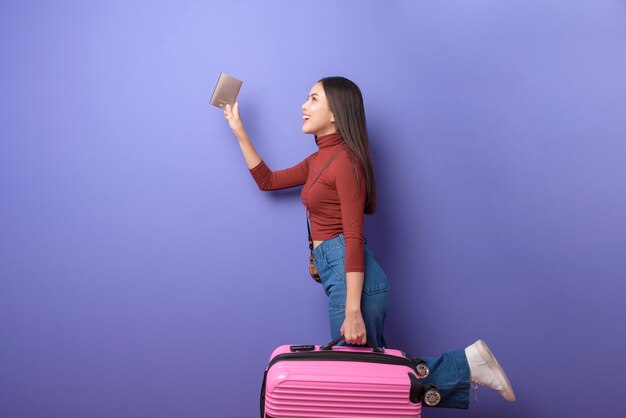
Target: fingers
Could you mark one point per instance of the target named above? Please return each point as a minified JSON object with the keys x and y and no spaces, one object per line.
{"x":354,"y":331}
{"x":232,"y":112}
{"x":356,"y":338}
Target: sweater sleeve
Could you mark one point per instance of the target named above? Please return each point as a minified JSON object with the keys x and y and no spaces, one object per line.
{"x":350,"y":184}
{"x":267,"y":179}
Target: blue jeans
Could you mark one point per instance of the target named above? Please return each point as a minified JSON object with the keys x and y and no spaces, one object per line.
{"x":449,"y":372}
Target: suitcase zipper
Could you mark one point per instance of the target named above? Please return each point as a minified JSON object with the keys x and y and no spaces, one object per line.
{"x":343,"y":356}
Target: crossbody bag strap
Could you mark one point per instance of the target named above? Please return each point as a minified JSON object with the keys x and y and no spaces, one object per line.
{"x":308,"y":226}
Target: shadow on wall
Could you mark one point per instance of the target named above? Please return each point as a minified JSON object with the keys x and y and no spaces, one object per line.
{"x":385,"y":232}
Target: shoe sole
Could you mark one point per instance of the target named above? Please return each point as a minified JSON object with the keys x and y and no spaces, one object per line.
{"x":492,"y":363}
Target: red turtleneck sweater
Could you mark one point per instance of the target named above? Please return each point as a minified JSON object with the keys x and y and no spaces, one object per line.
{"x":335,"y":202}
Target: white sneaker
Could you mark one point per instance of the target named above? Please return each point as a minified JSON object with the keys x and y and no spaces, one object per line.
{"x":485,"y":370}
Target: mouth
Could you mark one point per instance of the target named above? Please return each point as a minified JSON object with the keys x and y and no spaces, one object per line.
{"x":305,"y":118}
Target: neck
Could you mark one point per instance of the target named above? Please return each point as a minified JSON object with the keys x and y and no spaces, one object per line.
{"x":329,"y":140}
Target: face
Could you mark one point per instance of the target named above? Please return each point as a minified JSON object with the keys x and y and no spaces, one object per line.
{"x":317,"y":118}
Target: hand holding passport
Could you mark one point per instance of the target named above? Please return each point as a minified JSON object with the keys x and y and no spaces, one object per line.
{"x":225,"y":91}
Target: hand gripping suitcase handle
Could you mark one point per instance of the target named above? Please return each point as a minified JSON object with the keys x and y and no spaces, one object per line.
{"x":334,"y":342}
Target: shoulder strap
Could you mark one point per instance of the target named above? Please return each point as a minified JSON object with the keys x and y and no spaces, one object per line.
{"x":330,"y":160}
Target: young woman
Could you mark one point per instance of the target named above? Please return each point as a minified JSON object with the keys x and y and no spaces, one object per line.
{"x":339,"y":187}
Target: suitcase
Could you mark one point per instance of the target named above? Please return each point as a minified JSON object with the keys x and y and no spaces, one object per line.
{"x":310,"y":381}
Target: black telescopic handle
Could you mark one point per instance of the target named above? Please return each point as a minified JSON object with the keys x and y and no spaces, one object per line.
{"x":336,"y":341}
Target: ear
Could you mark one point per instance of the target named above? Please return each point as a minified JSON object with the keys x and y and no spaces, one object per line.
{"x":332,"y":118}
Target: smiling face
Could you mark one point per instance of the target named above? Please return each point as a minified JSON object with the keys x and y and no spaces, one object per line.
{"x":317,"y":118}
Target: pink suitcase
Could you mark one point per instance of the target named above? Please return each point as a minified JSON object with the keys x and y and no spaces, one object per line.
{"x":309,"y":381}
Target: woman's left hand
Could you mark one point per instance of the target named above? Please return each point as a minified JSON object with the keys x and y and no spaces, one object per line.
{"x":353,"y":329}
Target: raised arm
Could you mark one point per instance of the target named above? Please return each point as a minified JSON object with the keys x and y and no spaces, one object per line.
{"x":265,"y":178}
{"x":247,"y":149}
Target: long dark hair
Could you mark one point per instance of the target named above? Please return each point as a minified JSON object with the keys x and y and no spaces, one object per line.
{"x":346,"y":103}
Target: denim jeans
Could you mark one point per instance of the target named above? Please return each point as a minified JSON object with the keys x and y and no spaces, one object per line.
{"x":449,"y":372}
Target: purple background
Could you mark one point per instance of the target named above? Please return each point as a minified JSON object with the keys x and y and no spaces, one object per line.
{"x":143,"y":273}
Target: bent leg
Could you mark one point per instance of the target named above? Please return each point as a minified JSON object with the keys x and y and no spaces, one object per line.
{"x":450,"y":373}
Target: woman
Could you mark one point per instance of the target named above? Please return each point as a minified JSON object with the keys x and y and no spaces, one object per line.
{"x":339,"y":187}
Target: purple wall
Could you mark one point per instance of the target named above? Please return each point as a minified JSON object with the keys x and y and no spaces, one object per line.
{"x":143,"y":274}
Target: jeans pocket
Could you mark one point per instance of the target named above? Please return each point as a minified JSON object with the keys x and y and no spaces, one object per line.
{"x":336,"y":257}
{"x":332,"y":273}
